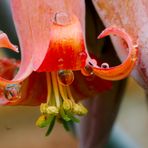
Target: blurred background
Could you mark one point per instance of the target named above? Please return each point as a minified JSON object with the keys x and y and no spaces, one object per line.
{"x":17,"y":124}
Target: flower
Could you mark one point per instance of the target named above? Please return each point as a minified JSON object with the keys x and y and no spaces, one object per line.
{"x":53,"y":51}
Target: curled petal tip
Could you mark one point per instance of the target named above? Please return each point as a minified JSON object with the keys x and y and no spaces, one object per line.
{"x":123,"y":70}
{"x":111,"y":30}
{"x":4,"y":42}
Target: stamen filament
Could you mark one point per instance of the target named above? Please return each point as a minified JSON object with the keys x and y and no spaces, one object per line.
{"x":62,"y":92}
{"x":70,"y":95}
{"x":48,"y":87}
{"x":56,"y":89}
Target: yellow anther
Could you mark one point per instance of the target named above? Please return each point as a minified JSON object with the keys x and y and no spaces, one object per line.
{"x":52,"y":110}
{"x":67,"y":105}
{"x":42,"y":121}
{"x":79,"y":109}
{"x":43,"y":108}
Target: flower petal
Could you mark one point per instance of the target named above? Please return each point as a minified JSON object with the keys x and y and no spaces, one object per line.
{"x":33,"y":90}
{"x":124,"y":69}
{"x":66,"y":49}
{"x":33,"y":21}
{"x":127,"y":14}
{"x":4,"y":42}
{"x":87,"y":87}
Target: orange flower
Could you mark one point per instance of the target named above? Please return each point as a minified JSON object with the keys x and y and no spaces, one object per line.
{"x":53,"y":51}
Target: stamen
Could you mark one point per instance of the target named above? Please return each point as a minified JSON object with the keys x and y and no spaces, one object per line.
{"x":60,"y":103}
{"x":56,"y":89}
{"x":65,"y":77}
{"x":70,"y":95}
{"x":48,"y":87}
{"x":62,"y":92}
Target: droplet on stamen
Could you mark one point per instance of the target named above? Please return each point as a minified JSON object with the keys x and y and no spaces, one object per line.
{"x":65,"y":77}
{"x":104,"y":65}
{"x":61,"y":18}
{"x":12,"y":91}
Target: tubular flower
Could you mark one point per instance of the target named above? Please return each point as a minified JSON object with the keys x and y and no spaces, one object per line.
{"x":53,"y":51}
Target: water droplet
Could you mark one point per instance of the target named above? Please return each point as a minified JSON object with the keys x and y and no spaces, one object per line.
{"x":83,"y":54}
{"x":104,"y":65}
{"x":65,"y":77}
{"x":61,"y":18}
{"x":12,"y":91}
{"x":16,"y":47}
{"x":60,"y":62}
{"x":87,"y":71}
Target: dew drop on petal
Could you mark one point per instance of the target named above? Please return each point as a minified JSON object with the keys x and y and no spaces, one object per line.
{"x":60,"y":62}
{"x":87,"y":71}
{"x":12,"y":91}
{"x":16,"y":47}
{"x":61,"y":18}
{"x":65,"y":77}
{"x":104,"y":65}
{"x":83,"y":55}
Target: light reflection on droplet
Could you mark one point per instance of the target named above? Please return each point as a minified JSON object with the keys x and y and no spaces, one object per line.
{"x":65,"y":77}
{"x":104,"y":65}
{"x":87,"y":70}
{"x":16,"y":46}
{"x":12,"y":91}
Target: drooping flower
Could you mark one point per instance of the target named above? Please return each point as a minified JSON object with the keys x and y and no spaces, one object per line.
{"x":53,"y":48}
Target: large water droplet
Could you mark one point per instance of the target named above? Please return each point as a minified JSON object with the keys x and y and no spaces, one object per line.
{"x":12,"y":91}
{"x":104,"y":65}
{"x":61,"y":18}
{"x":65,"y":77}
